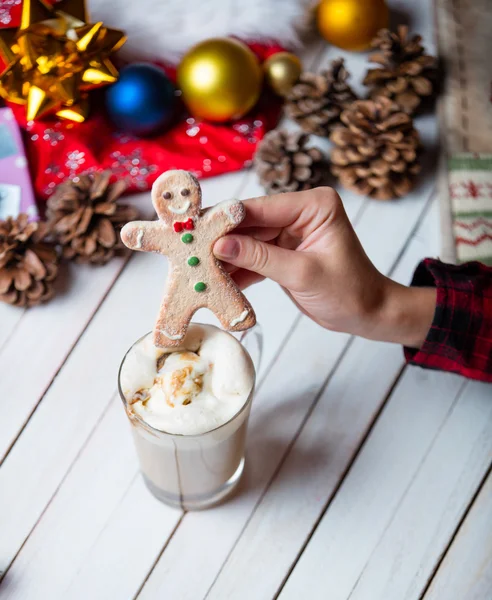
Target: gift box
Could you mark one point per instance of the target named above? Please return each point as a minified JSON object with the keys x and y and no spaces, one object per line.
{"x":16,"y":192}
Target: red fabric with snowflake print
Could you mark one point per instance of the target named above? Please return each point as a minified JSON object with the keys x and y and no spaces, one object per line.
{"x":10,"y":13}
{"x":58,"y":150}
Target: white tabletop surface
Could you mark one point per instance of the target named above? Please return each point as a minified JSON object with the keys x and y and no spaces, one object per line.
{"x":365,"y":479}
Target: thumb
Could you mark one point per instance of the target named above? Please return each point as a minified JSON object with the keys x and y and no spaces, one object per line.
{"x":287,"y":267}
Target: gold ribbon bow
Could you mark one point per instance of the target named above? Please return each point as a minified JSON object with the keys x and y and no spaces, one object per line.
{"x":55,"y":58}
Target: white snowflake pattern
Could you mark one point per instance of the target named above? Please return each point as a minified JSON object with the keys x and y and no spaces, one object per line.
{"x":5,"y":10}
{"x":29,"y":128}
{"x":53,"y":136}
{"x":54,"y":169}
{"x":75,"y":160}
{"x":123,"y":138}
{"x":48,"y":189}
{"x":248,"y":130}
{"x":59,"y":176}
{"x":87,"y":171}
{"x":192,"y":127}
{"x":192,"y":131}
{"x":133,"y":168}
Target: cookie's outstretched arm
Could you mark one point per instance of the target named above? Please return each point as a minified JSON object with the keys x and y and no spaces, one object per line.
{"x":149,"y":236}
{"x":226,"y":216}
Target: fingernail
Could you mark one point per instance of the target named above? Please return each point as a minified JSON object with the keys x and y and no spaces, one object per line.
{"x":227,"y":249}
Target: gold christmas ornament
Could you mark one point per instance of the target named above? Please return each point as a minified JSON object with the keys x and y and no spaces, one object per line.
{"x":282,"y":70}
{"x":351,"y":24}
{"x":55,"y":58}
{"x":220,"y":79}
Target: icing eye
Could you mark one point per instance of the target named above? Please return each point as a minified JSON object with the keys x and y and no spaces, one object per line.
{"x":167,"y":195}
{"x":185,"y":192}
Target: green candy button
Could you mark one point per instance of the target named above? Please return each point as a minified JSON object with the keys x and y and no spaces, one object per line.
{"x":193,"y":261}
{"x":187,"y":238}
{"x":200,"y":286}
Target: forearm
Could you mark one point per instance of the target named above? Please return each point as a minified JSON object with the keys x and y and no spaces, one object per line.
{"x":403,"y":316}
{"x":406,"y":314}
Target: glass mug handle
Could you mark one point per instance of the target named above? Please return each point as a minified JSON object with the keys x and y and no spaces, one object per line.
{"x":252,"y":340}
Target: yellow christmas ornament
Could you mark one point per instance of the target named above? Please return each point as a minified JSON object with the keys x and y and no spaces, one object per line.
{"x":351,"y":24}
{"x":55,"y":57}
{"x":282,"y":70}
{"x":220,"y":79}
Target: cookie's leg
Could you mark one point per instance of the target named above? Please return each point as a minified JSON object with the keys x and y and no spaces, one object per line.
{"x":173,"y":320}
{"x":234,"y":312}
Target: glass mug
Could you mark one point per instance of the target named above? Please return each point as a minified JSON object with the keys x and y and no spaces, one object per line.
{"x":194,"y":472}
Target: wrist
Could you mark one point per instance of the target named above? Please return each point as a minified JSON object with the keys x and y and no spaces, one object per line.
{"x":405,"y":314}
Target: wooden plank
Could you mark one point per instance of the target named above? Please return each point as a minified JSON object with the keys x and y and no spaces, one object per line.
{"x":466,"y":571}
{"x":207,"y":552}
{"x":287,"y":512}
{"x":283,"y":519}
{"x":40,"y":342}
{"x":72,"y":406}
{"x":134,"y":554}
{"x":424,"y":243}
{"x":48,"y":333}
{"x":398,"y":507}
{"x":418,"y":534}
{"x":92,"y":491}
{"x":9,"y":318}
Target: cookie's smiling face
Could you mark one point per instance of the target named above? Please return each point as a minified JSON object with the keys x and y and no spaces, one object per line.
{"x":176,"y":196}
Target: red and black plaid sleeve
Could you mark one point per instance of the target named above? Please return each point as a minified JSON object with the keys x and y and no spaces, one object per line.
{"x":460,"y":339}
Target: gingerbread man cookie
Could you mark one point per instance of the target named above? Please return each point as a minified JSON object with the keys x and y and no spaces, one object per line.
{"x":186,"y":234}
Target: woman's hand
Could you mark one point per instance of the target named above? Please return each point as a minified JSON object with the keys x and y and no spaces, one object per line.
{"x":305,"y":242}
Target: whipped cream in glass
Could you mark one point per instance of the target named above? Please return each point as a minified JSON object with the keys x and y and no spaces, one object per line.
{"x":189,"y":407}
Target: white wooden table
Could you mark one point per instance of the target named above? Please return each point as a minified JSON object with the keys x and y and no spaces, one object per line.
{"x":365,"y":479}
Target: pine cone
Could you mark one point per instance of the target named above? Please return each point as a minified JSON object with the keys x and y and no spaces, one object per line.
{"x":376,"y":153}
{"x":316,"y":100}
{"x":28,"y":266}
{"x":86,"y":218}
{"x":407,"y":74}
{"x":284,"y":164}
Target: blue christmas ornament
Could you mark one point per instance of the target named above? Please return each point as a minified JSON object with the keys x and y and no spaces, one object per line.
{"x":142,"y":100}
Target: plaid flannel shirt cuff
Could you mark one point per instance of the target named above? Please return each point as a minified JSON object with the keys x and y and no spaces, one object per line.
{"x":459,"y":339}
